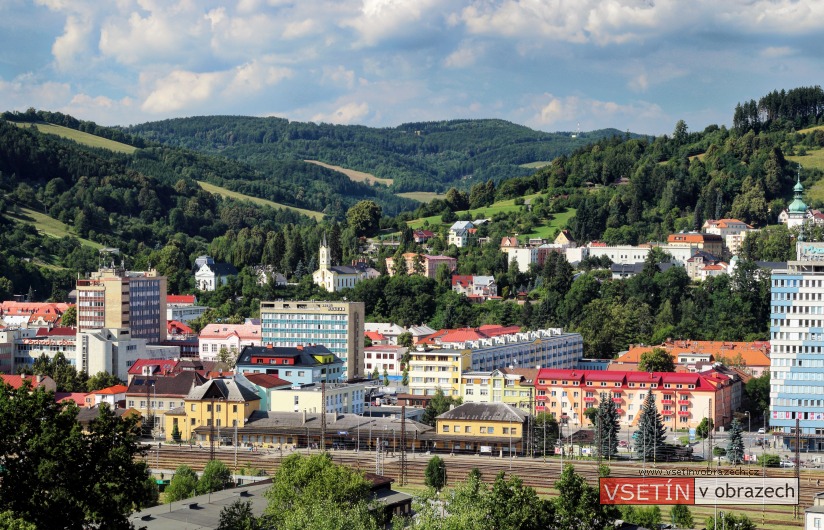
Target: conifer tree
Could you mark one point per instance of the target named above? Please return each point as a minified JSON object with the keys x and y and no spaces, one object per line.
{"x":735,"y":447}
{"x":649,"y":438}
{"x":607,"y":426}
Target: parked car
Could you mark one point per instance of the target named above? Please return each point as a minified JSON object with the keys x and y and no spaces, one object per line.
{"x":761,"y":430}
{"x":622,"y":443}
{"x":787,"y":464}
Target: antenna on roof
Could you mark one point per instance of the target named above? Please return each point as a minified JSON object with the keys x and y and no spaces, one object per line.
{"x":577,"y":131}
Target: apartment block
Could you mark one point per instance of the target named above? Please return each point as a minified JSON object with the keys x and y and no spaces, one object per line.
{"x":336,"y":325}
{"x":430,"y":370}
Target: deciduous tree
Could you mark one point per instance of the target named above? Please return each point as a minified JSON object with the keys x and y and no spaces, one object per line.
{"x":656,"y":360}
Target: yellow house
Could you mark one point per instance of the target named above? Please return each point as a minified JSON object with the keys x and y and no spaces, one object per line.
{"x":215,"y":405}
{"x":511,"y":386}
{"x":430,"y":370}
{"x":482,"y":428}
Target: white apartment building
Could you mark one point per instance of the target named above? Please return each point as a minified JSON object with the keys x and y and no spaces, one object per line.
{"x":233,"y":337}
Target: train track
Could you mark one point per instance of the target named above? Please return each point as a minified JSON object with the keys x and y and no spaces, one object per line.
{"x":535,"y":473}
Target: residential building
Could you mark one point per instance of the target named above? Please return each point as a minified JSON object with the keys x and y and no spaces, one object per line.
{"x":36,"y":381}
{"x":341,"y":398}
{"x":152,"y":367}
{"x":216,"y":404}
{"x":112,"y":396}
{"x":711,"y":243}
{"x":564,"y":239}
{"x":751,"y":357}
{"x":376,"y":339}
{"x":732,"y":231}
{"x":430,"y":370}
{"x":265,"y":385}
{"x":28,"y":345}
{"x":499,"y":386}
{"x":210,"y":275}
{"x":339,"y":326}
{"x":181,"y":300}
{"x":683,"y":399}
{"x":155,"y":396}
{"x":623,"y":271}
{"x":7,"y":351}
{"x":334,"y":278}
{"x":796,"y":343}
{"x":422,"y":236}
{"x":508,"y":243}
{"x":232,"y":337}
{"x":386,"y":329}
{"x":385,"y":357}
{"x":115,"y":298}
{"x":115,"y":351}
{"x":696,"y":265}
{"x":267,"y":273}
{"x":478,"y":288}
{"x":461,"y":234}
{"x":619,"y":254}
{"x":300,"y":365}
{"x":493,"y":428}
{"x":522,"y":257}
{"x":814,"y":515}
{"x":31,"y":314}
{"x":426,"y":264}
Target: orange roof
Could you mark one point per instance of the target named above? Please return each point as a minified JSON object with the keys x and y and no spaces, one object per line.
{"x":374,"y":336}
{"x":77,"y":397}
{"x":32,"y":308}
{"x":692,"y":238}
{"x":181,"y":299}
{"x":112,"y":390}
{"x":223,"y":331}
{"x":752,"y":353}
{"x":16,"y":381}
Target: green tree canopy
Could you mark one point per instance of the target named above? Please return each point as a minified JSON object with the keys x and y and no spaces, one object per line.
{"x":215,"y":477}
{"x":238,"y":516}
{"x":57,"y":476}
{"x":648,"y":439}
{"x":364,"y":217}
{"x":435,"y":473}
{"x":439,"y":404}
{"x":102,"y":380}
{"x":183,"y":484}
{"x":314,"y":492}
{"x":656,"y":360}
{"x":578,"y":504}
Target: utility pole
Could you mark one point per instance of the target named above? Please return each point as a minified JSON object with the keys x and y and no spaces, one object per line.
{"x":402,"y":463}
{"x":323,"y":416}
{"x":212,"y":433}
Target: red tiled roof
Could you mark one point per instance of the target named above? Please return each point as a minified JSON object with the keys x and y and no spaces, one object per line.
{"x":16,"y":381}
{"x":176,"y":327}
{"x":77,"y":397}
{"x":462,"y":335}
{"x":165,"y":366}
{"x":463,"y":279}
{"x":112,"y":390}
{"x":495,"y":330}
{"x":704,"y":381}
{"x":222,"y":331}
{"x":56,"y":332}
{"x":603,"y":375}
{"x":752,"y":353}
{"x":181,"y":299}
{"x":570,"y":375}
{"x":374,"y":336}
{"x":640,"y":377}
{"x":266,"y":380}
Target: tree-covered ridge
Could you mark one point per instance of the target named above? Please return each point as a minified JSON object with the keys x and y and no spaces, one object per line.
{"x":428,"y":156}
{"x":793,"y":108}
{"x":58,"y":118}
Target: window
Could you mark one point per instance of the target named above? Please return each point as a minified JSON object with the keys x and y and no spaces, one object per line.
{"x":468,"y":429}
{"x":194,"y":407}
{"x":234,"y":409}
{"x":514,"y":431}
{"x":491,"y":430}
{"x":506,"y":430}
{"x":456,"y":429}
{"x":445,"y":428}
{"x":483,"y":430}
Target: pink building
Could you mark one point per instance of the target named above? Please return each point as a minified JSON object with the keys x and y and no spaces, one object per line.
{"x":233,"y":337}
{"x":430,"y":263}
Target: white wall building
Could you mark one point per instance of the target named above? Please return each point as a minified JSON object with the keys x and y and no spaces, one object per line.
{"x":386,"y":356}
{"x":233,"y":337}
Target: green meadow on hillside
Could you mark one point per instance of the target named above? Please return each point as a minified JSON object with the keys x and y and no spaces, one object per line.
{"x":80,"y":137}
{"x":223,"y":192}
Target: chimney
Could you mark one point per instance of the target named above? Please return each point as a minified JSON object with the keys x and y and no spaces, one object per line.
{"x":39,"y":379}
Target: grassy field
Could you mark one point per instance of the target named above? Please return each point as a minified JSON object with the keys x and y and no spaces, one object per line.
{"x":357,"y":176}
{"x":223,"y":192}
{"x":49,"y":226}
{"x":81,"y":137}
{"x":422,"y":196}
{"x":811,"y":129}
{"x":814,"y":160}
{"x":536,"y":165}
{"x":560,"y":221}
{"x":498,"y":207}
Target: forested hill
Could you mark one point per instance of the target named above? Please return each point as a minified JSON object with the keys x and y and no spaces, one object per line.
{"x":426,"y":156}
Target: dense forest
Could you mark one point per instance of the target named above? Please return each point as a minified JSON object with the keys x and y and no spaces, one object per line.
{"x":426,"y":156}
{"x":626,"y":190}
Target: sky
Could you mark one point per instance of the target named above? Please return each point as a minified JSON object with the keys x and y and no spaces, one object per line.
{"x":553,"y":65}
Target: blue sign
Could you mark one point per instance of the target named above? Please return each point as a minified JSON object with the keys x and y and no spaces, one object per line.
{"x":692,"y":434}
{"x":343,"y":433}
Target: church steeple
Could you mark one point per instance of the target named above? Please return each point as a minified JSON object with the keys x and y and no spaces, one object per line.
{"x":324,"y":259}
{"x":798,"y":206}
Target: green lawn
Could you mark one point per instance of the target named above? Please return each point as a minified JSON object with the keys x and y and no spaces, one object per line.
{"x":223,"y":192}
{"x":811,"y":129}
{"x":498,"y":207}
{"x":422,"y":196}
{"x":49,"y":226}
{"x":537,"y":165}
{"x":357,"y":176}
{"x":81,"y":137}
{"x":560,"y":221}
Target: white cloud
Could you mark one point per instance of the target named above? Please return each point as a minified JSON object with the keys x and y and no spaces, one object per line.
{"x":382,"y":19}
{"x":776,"y":52}
{"x":465,"y":56}
{"x":338,"y":76}
{"x":300,"y":28}
{"x":253,"y":77}
{"x":565,"y":113}
{"x":182,"y":89}
{"x":26,"y":91}
{"x":349,"y":113}
{"x":70,"y":47}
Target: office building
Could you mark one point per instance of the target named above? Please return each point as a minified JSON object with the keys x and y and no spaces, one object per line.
{"x":797,"y":348}
{"x":336,"y":325}
{"x":114,"y":298}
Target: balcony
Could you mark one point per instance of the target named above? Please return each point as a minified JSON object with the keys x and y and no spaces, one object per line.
{"x":667,"y":402}
{"x":683,"y":401}
{"x":589,"y":400}
{"x":667,"y":412}
{"x":617,"y":400}
{"x":540,"y":398}
{"x":540,"y":408}
{"x":619,"y":411}
{"x":683,"y":413}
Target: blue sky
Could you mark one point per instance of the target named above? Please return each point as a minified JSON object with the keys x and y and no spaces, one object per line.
{"x":638,"y":65}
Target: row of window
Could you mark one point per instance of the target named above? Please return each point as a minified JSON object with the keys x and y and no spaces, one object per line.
{"x":467,"y":429}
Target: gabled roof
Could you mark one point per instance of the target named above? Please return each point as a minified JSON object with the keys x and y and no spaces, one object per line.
{"x":176,"y":327}
{"x":16,"y":381}
{"x":178,"y":385}
{"x":267,"y":380}
{"x":461,"y":279}
{"x":111,"y":391}
{"x":77,"y":397}
{"x":528,"y":375}
{"x":303,"y":355}
{"x":374,"y":336}
{"x":56,"y":332}
{"x":225,"y":389}
{"x":752,"y":353}
{"x":484,"y":412}
{"x":509,"y":242}
{"x":693,"y":238}
{"x":224,"y":331}
{"x":156,"y":366}
{"x":461,"y":225}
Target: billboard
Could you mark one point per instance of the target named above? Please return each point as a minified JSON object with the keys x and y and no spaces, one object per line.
{"x":699,"y":490}
{"x":812,"y":251}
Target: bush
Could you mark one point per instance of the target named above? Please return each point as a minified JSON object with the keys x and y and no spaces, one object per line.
{"x":183,"y":484}
{"x":216,"y":476}
{"x":768,"y":460}
{"x":435,"y":473}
